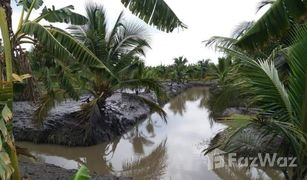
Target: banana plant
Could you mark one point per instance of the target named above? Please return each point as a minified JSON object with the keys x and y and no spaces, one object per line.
{"x":60,"y":43}
{"x":275,"y":23}
{"x":82,"y":174}
{"x":156,"y":13}
{"x":9,"y":162}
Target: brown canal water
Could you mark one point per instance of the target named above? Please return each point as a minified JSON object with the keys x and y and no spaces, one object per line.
{"x":155,"y":149}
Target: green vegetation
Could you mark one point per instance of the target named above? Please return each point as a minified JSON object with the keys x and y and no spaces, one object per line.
{"x":180,"y":71}
{"x":64,"y":55}
{"x":120,"y":50}
{"x":8,"y":162}
{"x":237,"y":120}
{"x":82,"y":174}
{"x":264,"y":72}
{"x":155,"y":12}
{"x":270,"y":69}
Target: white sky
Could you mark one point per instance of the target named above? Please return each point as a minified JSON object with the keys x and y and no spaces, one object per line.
{"x":204,"y":18}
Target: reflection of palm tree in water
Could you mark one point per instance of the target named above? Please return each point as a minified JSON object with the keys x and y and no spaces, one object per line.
{"x":178,"y":104}
{"x":141,"y":134}
{"x":150,"y":127}
{"x":152,"y":166}
{"x":138,"y":139}
{"x":234,"y":172}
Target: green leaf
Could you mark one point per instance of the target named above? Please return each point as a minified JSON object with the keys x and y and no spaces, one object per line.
{"x":82,"y":174}
{"x":3,"y":129}
{"x":6,"y":170}
{"x":6,"y":93}
{"x":274,"y":23}
{"x":298,"y":75}
{"x":63,"y":15}
{"x":63,"y":45}
{"x":47,"y":102}
{"x":7,"y":113}
{"x":265,"y":83}
{"x":27,"y":4}
{"x":78,"y":50}
{"x":154,"y":107}
{"x":155,"y":12}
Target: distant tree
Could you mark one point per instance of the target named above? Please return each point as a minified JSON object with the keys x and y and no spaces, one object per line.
{"x":203,"y":65}
{"x":180,"y":68}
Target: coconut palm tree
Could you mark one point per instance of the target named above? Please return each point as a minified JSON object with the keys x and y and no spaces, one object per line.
{"x":282,"y":109}
{"x":203,"y":65}
{"x":221,"y":71}
{"x":120,"y":49}
{"x":179,"y":68}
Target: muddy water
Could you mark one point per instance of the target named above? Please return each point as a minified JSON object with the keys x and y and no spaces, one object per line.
{"x":154,"y":149}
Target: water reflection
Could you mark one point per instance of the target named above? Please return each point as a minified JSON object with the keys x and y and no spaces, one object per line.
{"x":152,"y":166}
{"x":235,"y":172}
{"x":178,"y":104}
{"x":138,"y":140}
{"x":151,"y":150}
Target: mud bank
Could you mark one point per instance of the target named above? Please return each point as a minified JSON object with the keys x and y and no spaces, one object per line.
{"x":62,"y":126}
{"x":38,"y":171}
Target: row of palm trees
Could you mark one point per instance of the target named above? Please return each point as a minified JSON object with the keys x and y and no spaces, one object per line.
{"x":180,"y":70}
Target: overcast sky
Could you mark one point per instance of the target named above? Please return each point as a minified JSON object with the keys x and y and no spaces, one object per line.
{"x":204,"y":18}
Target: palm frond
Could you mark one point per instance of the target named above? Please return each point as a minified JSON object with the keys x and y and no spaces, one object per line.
{"x":78,"y":50}
{"x":266,"y":85}
{"x":264,"y":3}
{"x":156,"y":160}
{"x":96,"y":18}
{"x":298,"y":75}
{"x":154,"y":107}
{"x":223,"y":140}
{"x":47,"y":102}
{"x":129,"y":36}
{"x":118,"y":24}
{"x":93,"y":33}
{"x":241,"y":28}
{"x":291,"y":133}
{"x":67,"y":81}
{"x":219,"y":41}
{"x":155,"y":12}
